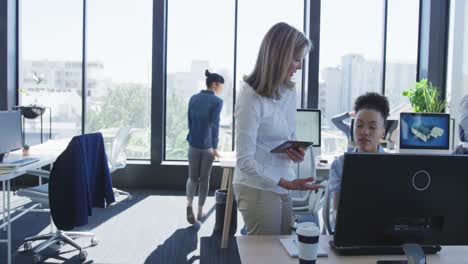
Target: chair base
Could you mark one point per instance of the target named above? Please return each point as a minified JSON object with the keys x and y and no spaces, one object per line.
{"x":120,"y":192}
{"x":58,"y":237}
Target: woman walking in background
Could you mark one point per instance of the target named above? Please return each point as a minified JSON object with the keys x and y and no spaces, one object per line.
{"x":203,"y":123}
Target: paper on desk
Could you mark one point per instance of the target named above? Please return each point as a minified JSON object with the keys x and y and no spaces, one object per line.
{"x":5,"y":170}
{"x":290,"y":245}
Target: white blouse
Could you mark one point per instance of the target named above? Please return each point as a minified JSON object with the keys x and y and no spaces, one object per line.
{"x":263,"y":123}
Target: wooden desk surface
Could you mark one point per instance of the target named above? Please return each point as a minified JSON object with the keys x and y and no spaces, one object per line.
{"x":268,"y":249}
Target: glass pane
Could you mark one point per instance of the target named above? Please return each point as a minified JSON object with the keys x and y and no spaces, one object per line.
{"x":402,"y":52}
{"x":200,"y":36}
{"x":119,"y":72}
{"x":50,"y":63}
{"x":252,"y":28}
{"x":350,"y":61}
{"x":457,"y":68}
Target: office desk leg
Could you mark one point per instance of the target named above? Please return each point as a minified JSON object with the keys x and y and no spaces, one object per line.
{"x":228,"y":212}
{"x":9,"y":221}
{"x":4,"y":205}
{"x":224,"y":180}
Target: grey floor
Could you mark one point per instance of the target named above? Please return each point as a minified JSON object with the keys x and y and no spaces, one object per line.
{"x":150,"y":228}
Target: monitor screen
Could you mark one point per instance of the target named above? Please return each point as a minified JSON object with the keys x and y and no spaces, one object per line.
{"x":10,"y":127}
{"x":401,"y":198}
{"x":424,"y":131}
{"x":308,"y":126}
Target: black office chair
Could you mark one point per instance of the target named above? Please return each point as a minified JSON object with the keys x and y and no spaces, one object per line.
{"x":69,"y":195}
{"x":461,"y":149}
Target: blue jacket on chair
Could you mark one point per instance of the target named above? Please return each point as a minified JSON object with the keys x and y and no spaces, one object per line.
{"x":79,"y":180}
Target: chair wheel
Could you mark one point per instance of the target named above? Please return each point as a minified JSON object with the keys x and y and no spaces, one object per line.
{"x":27,"y":246}
{"x":94,"y":241}
{"x":83,"y":255}
{"x":37,"y":258}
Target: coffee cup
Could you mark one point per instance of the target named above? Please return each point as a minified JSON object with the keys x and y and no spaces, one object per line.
{"x":308,"y":234}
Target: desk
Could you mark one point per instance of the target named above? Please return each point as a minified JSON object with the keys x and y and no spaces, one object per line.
{"x":268,"y":249}
{"x":228,"y":163}
{"x":47,"y":154}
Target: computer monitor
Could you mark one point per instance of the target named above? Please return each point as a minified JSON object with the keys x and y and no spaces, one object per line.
{"x":392,"y":199}
{"x":425,"y":133}
{"x":308,"y":126}
{"x":11,"y":136}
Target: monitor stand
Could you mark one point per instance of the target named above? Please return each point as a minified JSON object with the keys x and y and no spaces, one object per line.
{"x":413,"y":252}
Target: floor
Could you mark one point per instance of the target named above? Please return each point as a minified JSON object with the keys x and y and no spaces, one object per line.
{"x":150,"y":228}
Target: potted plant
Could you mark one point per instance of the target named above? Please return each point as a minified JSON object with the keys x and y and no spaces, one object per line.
{"x":30,"y":111}
{"x":424,"y":97}
{"x":33,"y":110}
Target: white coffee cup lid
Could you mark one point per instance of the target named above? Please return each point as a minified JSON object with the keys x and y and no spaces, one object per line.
{"x":308,"y":229}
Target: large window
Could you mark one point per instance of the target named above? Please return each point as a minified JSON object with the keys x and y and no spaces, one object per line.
{"x":402,"y":52}
{"x":50,"y":64}
{"x":118,"y":72}
{"x":350,"y":61}
{"x":200,"y":36}
{"x":118,"y":68}
{"x":457,"y":77}
{"x":252,"y":27}
{"x":196,"y":41}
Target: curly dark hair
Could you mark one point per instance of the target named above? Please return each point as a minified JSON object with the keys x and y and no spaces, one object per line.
{"x":373,"y":101}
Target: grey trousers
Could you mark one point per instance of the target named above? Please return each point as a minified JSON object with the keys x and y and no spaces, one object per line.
{"x":200,"y":163}
{"x":264,"y":212}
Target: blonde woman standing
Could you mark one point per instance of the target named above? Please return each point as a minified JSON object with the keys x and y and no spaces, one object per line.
{"x":265,"y":117}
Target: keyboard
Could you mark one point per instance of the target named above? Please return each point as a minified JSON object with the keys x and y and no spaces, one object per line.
{"x":378,"y":250}
{"x":19,"y":163}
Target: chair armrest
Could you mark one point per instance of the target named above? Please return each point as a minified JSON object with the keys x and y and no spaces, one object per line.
{"x":300,"y":200}
{"x":39,"y":173}
{"x":300,"y":208}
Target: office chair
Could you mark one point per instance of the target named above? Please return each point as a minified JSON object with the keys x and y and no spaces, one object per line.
{"x":116,"y":156}
{"x":461,"y":149}
{"x":40,"y":194}
{"x":79,"y":180}
{"x":304,"y":169}
{"x":314,"y":203}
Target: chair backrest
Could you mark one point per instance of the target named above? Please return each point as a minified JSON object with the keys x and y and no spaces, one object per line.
{"x":317,"y":198}
{"x":461,"y":149}
{"x":79,"y":180}
{"x":305,"y":169}
{"x":117,"y":157}
{"x":327,"y":212}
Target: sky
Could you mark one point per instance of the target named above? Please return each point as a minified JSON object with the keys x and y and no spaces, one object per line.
{"x":119,"y":32}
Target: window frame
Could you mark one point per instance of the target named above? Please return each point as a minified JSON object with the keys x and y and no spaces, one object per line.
{"x":143,"y":174}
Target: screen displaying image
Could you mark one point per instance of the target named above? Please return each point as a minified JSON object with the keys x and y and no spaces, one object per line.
{"x":424,"y":131}
{"x":308,"y":126}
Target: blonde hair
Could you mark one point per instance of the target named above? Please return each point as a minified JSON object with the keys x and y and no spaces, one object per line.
{"x":281,"y":44}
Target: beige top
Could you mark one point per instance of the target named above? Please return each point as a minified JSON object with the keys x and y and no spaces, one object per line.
{"x":268,"y":249}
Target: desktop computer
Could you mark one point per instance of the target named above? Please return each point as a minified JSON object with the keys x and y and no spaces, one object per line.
{"x":11,"y":136}
{"x":425,"y":133}
{"x":388,"y":200}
